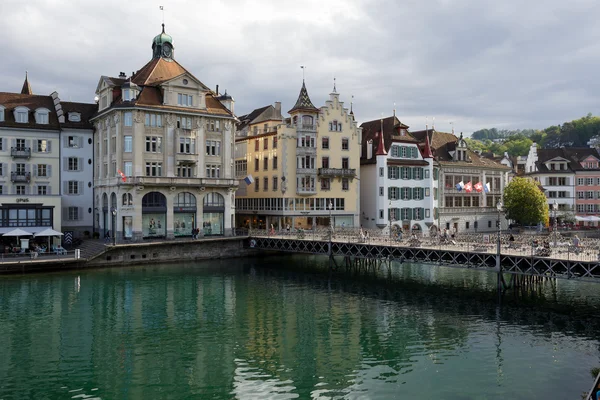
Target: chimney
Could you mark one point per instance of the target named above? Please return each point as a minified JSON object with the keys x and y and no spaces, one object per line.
{"x":369,"y":149}
{"x":278,"y":107}
{"x":217,"y":90}
{"x":122,"y":75}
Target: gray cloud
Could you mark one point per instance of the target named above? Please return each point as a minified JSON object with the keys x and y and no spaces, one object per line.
{"x":479,"y":63}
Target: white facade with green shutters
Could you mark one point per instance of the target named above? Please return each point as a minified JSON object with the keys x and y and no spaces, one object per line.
{"x":398,"y":189}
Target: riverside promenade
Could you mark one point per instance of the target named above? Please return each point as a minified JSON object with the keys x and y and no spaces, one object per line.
{"x":526,"y":255}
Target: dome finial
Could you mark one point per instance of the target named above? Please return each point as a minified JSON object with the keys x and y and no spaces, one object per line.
{"x":163,"y":26}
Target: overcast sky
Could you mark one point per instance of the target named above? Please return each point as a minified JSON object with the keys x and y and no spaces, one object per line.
{"x":478,"y":63}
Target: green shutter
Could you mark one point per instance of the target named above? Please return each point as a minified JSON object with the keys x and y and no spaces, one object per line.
{"x":389,"y":193}
{"x":422,"y":213}
{"x":409,"y":213}
{"x":422,"y":173}
{"x":409,"y":192}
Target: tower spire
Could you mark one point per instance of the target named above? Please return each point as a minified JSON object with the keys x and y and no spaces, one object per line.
{"x":334,"y":91}
{"x":381,"y":146}
{"x":26,"y":86}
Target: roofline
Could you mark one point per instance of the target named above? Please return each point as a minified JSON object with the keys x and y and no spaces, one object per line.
{"x":149,"y":108}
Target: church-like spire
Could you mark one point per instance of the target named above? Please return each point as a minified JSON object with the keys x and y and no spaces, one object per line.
{"x":303,"y":103}
{"x":381,"y":146}
{"x":427,"y":153}
{"x":26,"y":86}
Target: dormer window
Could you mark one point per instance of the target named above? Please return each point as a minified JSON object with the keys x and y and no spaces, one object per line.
{"x":186,"y":100}
{"x":1,"y":114}
{"x":22,"y":115}
{"x":127,"y":95}
{"x":74,"y":117}
{"x":41,"y":116}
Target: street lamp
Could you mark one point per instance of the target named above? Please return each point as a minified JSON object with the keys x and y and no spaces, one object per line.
{"x":114,"y":222}
{"x":498,"y":263}
{"x":554,"y":209}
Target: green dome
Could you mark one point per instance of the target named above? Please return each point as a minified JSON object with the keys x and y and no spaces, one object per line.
{"x":162,"y":38}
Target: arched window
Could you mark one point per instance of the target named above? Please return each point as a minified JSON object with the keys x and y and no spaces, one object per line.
{"x":294,"y":120}
{"x":154,"y":199}
{"x":307,"y":120}
{"x":105,"y":200}
{"x":113,"y":200}
{"x":214,"y":200}
{"x":127,"y":199}
{"x":185,"y":199}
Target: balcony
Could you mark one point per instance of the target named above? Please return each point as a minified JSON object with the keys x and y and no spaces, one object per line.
{"x":20,"y":152}
{"x":306,"y":171}
{"x":342,"y":172}
{"x":306,"y":190}
{"x":468,"y":210}
{"x":177,"y":182}
{"x":306,"y":151}
{"x":188,"y":158}
{"x":20,"y":177}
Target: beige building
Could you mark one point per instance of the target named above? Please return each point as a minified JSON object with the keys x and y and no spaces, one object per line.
{"x":164,"y":146}
{"x":300,"y":169}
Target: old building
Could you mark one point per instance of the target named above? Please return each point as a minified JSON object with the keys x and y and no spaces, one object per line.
{"x":164,"y":146}
{"x":570,"y":178}
{"x":302,"y":170}
{"x":397,"y":178}
{"x":45,"y":163}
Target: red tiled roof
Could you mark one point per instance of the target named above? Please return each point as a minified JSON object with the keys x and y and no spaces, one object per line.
{"x":12,"y":100}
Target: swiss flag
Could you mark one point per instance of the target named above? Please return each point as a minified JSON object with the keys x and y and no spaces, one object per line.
{"x":123,"y":177}
{"x":468,"y":187}
{"x":478,"y":187}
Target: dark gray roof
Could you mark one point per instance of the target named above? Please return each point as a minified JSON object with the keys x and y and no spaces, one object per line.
{"x":303,"y":103}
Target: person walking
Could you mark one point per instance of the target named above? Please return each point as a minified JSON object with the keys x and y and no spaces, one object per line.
{"x":107,"y":237}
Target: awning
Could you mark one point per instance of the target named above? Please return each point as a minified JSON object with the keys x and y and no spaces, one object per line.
{"x":30,"y":229}
{"x":17,"y":232}
{"x":48,"y":232}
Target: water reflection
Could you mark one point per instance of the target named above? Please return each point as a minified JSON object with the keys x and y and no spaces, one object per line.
{"x":255,"y":330}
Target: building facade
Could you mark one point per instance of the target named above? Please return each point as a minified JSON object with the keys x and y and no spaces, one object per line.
{"x":570,"y":178}
{"x":303,"y":172}
{"x":397,"y":178}
{"x":163,"y":152}
{"x":37,"y":188}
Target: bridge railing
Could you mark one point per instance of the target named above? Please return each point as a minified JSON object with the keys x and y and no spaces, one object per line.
{"x":522,"y":245}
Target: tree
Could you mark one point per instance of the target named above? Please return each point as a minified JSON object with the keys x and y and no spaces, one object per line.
{"x":525,"y":202}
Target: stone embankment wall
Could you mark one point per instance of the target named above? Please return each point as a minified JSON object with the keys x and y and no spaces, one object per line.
{"x":169,"y":251}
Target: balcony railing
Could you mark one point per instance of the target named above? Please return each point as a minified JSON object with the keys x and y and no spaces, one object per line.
{"x":20,"y":176}
{"x":343,"y":172}
{"x":176,"y":181}
{"x":304,"y":151}
{"x":306,"y":190}
{"x":20,"y":152}
{"x":306,"y":171}
{"x":467,"y":210}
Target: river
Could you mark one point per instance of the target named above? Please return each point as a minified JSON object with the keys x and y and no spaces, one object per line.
{"x":280,"y":327}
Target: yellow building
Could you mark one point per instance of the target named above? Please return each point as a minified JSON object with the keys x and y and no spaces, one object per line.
{"x":300,"y":170}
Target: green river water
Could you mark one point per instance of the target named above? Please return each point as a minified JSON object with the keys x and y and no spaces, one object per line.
{"x":281,"y":328}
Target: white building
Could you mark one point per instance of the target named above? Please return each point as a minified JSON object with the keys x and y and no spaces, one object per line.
{"x":171,"y":137}
{"x":36,"y":189}
{"x":396,"y":178}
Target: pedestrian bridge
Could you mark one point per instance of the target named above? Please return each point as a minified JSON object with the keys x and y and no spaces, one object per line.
{"x":516,"y":258}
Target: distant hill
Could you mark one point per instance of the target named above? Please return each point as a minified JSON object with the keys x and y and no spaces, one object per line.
{"x":577,"y":133}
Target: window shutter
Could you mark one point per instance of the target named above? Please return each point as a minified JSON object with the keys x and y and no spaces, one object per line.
{"x":389,"y":193}
{"x":80,"y":187}
{"x":80,"y":213}
{"x":80,"y":141}
{"x":409,"y":193}
{"x":49,"y":189}
{"x":65,"y":187}
{"x":80,"y":164}
{"x":65,"y":163}
{"x":65,"y":211}
{"x":34,"y":172}
{"x":34,"y":148}
{"x":422,"y":213}
{"x":48,"y":147}
{"x":49,"y":170}
{"x":409,"y":213}
{"x":13,"y":143}
{"x":28,"y":143}
{"x":27,"y":189}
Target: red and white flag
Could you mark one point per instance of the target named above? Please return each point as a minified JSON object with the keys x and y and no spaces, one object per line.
{"x":123,"y":177}
{"x":478,"y":187}
{"x":468,"y":187}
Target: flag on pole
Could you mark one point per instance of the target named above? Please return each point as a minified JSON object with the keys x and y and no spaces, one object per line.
{"x":486,"y":188}
{"x":249,"y":179}
{"x":468,"y":187}
{"x":460,"y":186}
{"x":123,"y":177}
{"x":478,"y":187}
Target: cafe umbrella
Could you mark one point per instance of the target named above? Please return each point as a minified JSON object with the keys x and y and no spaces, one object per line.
{"x":48,"y":232}
{"x":17,"y":232}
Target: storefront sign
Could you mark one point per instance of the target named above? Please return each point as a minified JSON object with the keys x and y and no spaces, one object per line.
{"x":21,"y":200}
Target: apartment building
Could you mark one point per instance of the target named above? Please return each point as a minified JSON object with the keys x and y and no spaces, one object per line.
{"x":302,"y":172}
{"x":45,"y":181}
{"x":397,"y":178}
{"x":164,"y":147}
